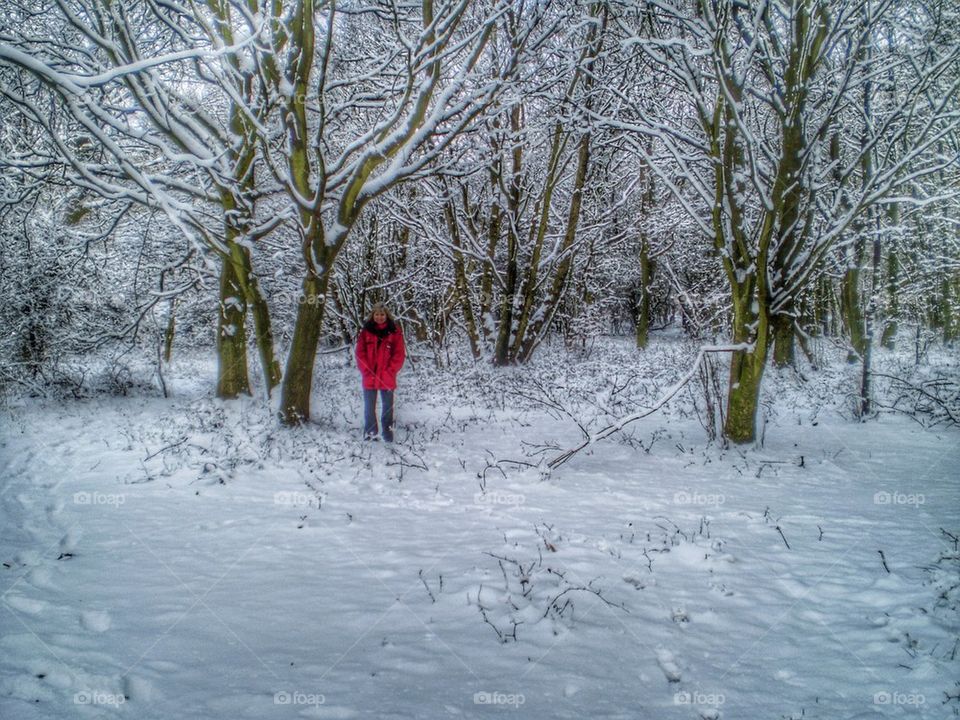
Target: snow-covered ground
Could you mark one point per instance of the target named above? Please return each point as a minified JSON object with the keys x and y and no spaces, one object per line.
{"x":188,"y":558}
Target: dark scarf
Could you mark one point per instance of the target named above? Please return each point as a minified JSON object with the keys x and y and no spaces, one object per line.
{"x":381,"y":333}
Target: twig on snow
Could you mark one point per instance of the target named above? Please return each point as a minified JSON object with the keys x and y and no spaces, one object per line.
{"x":784,"y":538}
{"x":424,"y":581}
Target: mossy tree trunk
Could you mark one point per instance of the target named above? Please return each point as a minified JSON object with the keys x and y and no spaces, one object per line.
{"x":768,"y":260}
{"x":233,"y":378}
{"x":783,"y":330}
{"x":750,"y":325}
{"x":745,"y":268}
{"x":298,"y":378}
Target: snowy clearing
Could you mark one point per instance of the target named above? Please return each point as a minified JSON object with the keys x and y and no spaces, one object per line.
{"x":188,"y":558}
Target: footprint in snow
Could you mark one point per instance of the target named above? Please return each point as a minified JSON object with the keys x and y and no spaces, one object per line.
{"x":54,"y":512}
{"x":722,"y":589}
{"x":639,"y":581}
{"x":68,"y":543}
{"x":41,"y":579}
{"x":138,"y":689}
{"x":95,"y":620}
{"x":25,"y":604}
{"x":668,"y":664}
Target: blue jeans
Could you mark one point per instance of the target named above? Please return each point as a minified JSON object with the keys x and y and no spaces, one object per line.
{"x":370,"y":413}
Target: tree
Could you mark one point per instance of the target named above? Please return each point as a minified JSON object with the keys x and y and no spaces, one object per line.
{"x":160,"y":91}
{"x":764,"y":87}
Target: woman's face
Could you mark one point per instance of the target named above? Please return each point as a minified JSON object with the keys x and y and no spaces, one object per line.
{"x":379,"y":316}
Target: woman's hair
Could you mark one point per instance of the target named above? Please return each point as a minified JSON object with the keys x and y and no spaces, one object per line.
{"x":379,"y":306}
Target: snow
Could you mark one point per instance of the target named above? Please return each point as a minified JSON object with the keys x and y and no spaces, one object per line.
{"x":188,"y":558}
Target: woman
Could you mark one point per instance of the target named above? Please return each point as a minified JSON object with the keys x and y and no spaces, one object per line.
{"x":380,"y":355}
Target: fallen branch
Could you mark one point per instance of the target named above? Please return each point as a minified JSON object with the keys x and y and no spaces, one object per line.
{"x":942,"y":410}
{"x":623,"y":422}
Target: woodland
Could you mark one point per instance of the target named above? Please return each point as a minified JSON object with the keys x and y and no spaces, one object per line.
{"x":243,"y":178}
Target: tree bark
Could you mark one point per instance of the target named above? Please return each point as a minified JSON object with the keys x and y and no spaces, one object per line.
{"x":647,"y":269}
{"x":233,"y":378}
{"x":746,"y":368}
{"x":298,"y":378}
{"x":850,"y":303}
{"x":784,"y":340}
{"x":460,"y":280}
{"x":263,"y":326}
{"x":870,"y":323}
{"x":948,"y":318}
{"x":891,"y":326}
{"x":501,"y":354}
{"x":562,"y":272}
{"x":169,"y":332}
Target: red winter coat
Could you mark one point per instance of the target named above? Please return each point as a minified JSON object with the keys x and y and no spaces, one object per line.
{"x":380,"y":358}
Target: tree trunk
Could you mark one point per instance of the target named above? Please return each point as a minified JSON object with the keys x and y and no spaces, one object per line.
{"x":262,"y":325}
{"x":746,"y":375}
{"x":863,"y":408}
{"x":850,"y":306}
{"x":784,"y":340}
{"x":501,"y":354}
{"x":168,"y":334}
{"x":647,"y":269}
{"x":538,"y":234}
{"x":856,"y":323}
{"x":563,"y":270}
{"x":486,"y":279}
{"x":890,"y":328}
{"x":298,"y":378}
{"x":561,"y":274}
{"x":233,"y":378}
{"x":822,"y":306}
{"x":888,"y":340}
{"x":870,"y":323}
{"x":746,"y":367}
{"x":948,"y":319}
{"x":460,"y":279}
